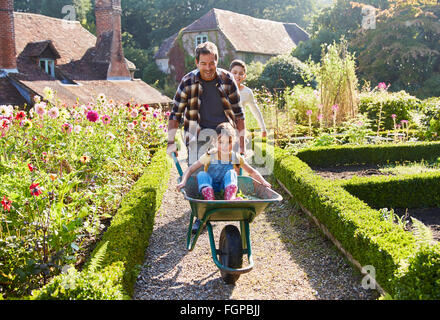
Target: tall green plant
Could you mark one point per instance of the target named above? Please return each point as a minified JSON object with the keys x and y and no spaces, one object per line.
{"x":337,"y":82}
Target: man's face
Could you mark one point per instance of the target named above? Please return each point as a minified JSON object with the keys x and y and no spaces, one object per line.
{"x":207,"y":65}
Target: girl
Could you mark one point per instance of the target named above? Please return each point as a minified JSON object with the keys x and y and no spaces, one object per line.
{"x":220,"y":167}
{"x":238,"y":70}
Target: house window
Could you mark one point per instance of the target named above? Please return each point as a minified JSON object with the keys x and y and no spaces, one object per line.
{"x":48,"y":65}
{"x":201,"y":39}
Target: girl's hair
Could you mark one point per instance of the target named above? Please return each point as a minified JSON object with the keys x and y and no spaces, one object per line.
{"x":238,"y":63}
{"x":225,"y":128}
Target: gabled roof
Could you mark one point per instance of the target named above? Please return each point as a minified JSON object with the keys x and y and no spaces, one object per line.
{"x":36,"y":49}
{"x":79,"y":61}
{"x":246,"y":33}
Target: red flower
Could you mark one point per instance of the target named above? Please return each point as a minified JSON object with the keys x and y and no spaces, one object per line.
{"x":31,"y":167}
{"x":20,"y":115}
{"x":35,"y":189}
{"x":6,"y":203}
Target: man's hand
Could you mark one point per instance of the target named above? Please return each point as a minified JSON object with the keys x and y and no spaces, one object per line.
{"x":171,"y":147}
{"x":181,"y":185}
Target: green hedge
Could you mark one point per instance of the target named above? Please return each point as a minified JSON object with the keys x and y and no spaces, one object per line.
{"x":406,"y":191}
{"x":361,"y":230}
{"x":113,"y":267}
{"x":369,"y":154}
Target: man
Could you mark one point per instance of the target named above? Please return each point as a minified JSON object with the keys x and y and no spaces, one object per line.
{"x":205,"y":98}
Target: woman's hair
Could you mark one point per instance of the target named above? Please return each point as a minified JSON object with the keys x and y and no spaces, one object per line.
{"x":225,"y":129}
{"x":238,"y":63}
{"x":206,"y":48}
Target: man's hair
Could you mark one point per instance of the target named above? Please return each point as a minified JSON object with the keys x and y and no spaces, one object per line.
{"x":238,"y":63}
{"x":206,"y":48}
{"x":225,"y":128}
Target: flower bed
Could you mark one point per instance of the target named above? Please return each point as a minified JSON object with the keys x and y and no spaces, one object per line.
{"x":112,"y":270}
{"x":403,"y":267}
{"x":64,"y":171}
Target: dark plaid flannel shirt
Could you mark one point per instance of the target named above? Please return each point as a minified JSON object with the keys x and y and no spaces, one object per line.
{"x":187,"y":100}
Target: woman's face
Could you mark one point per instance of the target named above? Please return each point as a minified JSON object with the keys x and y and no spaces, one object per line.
{"x":239,"y":74}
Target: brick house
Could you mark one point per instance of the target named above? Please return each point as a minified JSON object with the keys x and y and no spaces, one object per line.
{"x":37,"y":51}
{"x":237,"y":36}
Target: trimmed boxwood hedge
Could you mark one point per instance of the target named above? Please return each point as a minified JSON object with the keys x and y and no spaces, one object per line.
{"x":361,"y":230}
{"x":113,"y":267}
{"x":403,"y":191}
{"x":369,"y":154}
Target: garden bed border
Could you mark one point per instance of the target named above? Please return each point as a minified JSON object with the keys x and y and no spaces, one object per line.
{"x":404,"y":269}
{"x":115,"y":263}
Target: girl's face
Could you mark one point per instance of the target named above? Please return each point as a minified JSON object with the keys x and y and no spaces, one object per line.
{"x":224,"y":143}
{"x":239,"y":74}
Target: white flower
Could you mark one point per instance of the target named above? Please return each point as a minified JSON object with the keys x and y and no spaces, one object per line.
{"x":77,"y":129}
{"x":48,"y":93}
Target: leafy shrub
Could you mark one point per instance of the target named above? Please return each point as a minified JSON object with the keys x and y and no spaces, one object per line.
{"x":430,"y":118}
{"x":282,"y":71}
{"x":381,"y":105}
{"x":299,"y":100}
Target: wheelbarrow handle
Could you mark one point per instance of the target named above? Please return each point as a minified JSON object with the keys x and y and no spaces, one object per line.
{"x":176,"y":162}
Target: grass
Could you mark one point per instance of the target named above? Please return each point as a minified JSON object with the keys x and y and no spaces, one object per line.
{"x":410,"y":168}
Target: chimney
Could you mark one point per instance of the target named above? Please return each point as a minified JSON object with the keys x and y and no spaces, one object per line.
{"x":108,"y":26}
{"x":8,"y":56}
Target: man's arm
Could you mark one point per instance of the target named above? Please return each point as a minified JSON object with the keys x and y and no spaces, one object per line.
{"x":173,"y":125}
{"x":180,"y":102}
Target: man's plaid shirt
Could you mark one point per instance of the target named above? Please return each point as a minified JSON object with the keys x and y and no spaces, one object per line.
{"x":187,"y":100}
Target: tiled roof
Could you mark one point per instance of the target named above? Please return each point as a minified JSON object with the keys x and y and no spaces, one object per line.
{"x":79,"y":61}
{"x":246,"y":34}
{"x":9,"y":95}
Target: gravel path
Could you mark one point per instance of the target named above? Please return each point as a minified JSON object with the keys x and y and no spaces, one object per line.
{"x":293,"y":260}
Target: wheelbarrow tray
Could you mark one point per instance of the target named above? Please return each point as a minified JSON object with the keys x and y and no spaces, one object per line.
{"x":232,"y":210}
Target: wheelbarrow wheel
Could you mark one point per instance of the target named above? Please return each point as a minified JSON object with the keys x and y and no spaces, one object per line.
{"x":231,"y":252}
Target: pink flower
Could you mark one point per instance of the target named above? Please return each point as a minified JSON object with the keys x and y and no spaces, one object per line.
{"x":320,"y":117}
{"x":53,"y":113}
{"x":382,"y":86}
{"x":134,"y":113}
{"x":309,"y":112}
{"x":404,"y":121}
{"x":40,"y":108}
{"x":335,"y":108}
{"x":92,"y":116}
{"x":167,"y":113}
{"x":106,"y":119}
{"x":393,"y":116}
{"x":130,"y":126}
{"x":66,"y":128}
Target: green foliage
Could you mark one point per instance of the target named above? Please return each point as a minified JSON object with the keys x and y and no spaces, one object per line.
{"x":369,"y":154}
{"x":421,"y":279}
{"x":430,"y":119}
{"x":337,"y":83}
{"x":281,"y":72}
{"x":402,"y":49}
{"x":380,"y":105}
{"x":403,"y":269}
{"x":299,"y":100}
{"x":111,"y":271}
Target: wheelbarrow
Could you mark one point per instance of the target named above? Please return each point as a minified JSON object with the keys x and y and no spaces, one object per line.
{"x":233,"y":243}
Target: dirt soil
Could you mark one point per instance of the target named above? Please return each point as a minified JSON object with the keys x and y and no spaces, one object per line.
{"x":347,"y":172}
